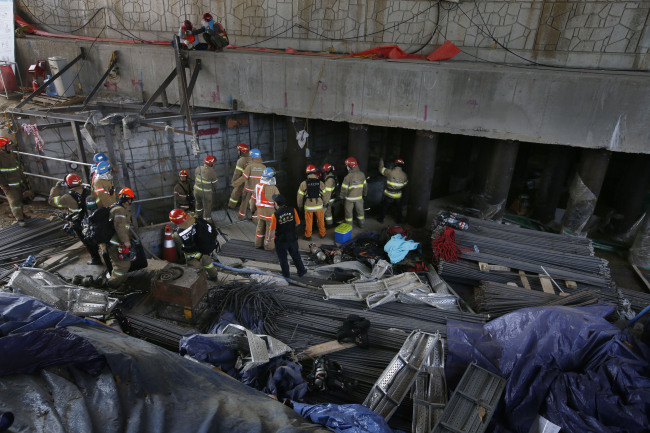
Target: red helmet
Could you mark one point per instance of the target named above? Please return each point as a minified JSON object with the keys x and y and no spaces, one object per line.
{"x":351,"y":162}
{"x":207,"y":17}
{"x":243,"y":147}
{"x":209,"y":160}
{"x":399,"y":161}
{"x":3,"y":141}
{"x":183,"y":173}
{"x":311,"y":169}
{"x":72,"y":180}
{"x":126,"y":193}
{"x":328,"y":167}
{"x":178,"y":216}
{"x":187,"y":24}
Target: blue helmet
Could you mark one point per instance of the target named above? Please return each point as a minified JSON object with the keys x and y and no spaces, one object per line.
{"x":103,"y":167}
{"x":255,"y":153}
{"x":268,"y":172}
{"x":99,"y":157}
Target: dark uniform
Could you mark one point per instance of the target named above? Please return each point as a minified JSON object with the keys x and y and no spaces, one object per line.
{"x":283,"y":225}
{"x":190,"y":231}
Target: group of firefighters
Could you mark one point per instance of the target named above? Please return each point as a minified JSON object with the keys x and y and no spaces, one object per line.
{"x":254,"y":190}
{"x":214,"y":35}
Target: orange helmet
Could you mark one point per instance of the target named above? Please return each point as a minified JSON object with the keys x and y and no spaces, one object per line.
{"x":351,"y":162}
{"x":311,"y":169}
{"x":72,"y":180}
{"x":399,"y":161}
{"x":126,"y":193}
{"x":178,"y":216}
{"x":327,"y":168}
{"x":209,"y":160}
{"x":183,"y":173}
{"x":243,"y":147}
{"x":3,"y":141}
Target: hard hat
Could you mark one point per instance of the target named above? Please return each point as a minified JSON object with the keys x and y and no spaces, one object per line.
{"x":207,"y":17}
{"x":268,"y":172}
{"x":399,"y":161}
{"x":103,"y":167}
{"x":351,"y":162}
{"x":126,"y":192}
{"x":311,"y":169}
{"x":99,"y":157}
{"x":72,"y":180}
{"x":3,"y":141}
{"x":183,"y":173}
{"x":178,"y":216}
{"x":255,"y":153}
{"x":328,"y":167}
{"x":209,"y":160}
{"x":243,"y":147}
{"x":187,"y":24}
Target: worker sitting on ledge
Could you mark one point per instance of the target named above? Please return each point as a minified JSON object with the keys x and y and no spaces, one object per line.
{"x":199,"y":240}
{"x":213,"y":33}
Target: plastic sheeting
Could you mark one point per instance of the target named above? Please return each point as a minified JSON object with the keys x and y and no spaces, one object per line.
{"x":344,"y":418}
{"x":142,"y":388}
{"x":567,"y":364}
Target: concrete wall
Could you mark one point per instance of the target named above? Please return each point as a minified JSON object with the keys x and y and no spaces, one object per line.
{"x":585,"y":33}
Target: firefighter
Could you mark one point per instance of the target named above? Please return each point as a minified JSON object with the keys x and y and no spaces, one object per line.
{"x":205,"y":179}
{"x":188,"y":39}
{"x":97,"y":158}
{"x":103,"y":185}
{"x":396,"y":180}
{"x":11,"y":177}
{"x":213,"y":33}
{"x":183,"y":192}
{"x":198,"y":238}
{"x":312,"y":195}
{"x":120,"y":247}
{"x":262,"y":201}
{"x":331,"y":182}
{"x":250,"y":178}
{"x":353,"y":189}
{"x":72,"y":196}
{"x":242,"y":163}
{"x":283,"y":230}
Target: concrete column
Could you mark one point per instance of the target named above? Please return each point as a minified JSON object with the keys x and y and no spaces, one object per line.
{"x":297,"y":159}
{"x":420,"y":174}
{"x":460,"y":166}
{"x":584,"y":190}
{"x":499,"y":164}
{"x":551,"y":183}
{"x":358,"y":147}
{"x":630,"y":193}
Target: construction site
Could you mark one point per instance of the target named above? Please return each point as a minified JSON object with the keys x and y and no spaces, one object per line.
{"x":313,"y":215}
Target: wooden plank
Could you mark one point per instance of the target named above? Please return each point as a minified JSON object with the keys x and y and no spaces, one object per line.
{"x":324,"y":349}
{"x":547,"y":285}
{"x":486,"y":267}
{"x":571,"y":284}
{"x":524,"y":280}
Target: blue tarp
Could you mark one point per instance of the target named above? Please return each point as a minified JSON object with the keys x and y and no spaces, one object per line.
{"x":569,"y":365}
{"x":398,"y":247}
{"x":343,"y":418}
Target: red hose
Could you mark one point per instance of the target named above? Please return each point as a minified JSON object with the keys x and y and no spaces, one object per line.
{"x":445,"y":248}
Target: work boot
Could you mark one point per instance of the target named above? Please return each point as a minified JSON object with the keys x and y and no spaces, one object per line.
{"x":360,"y":224}
{"x":95,"y":261}
{"x":306,"y":238}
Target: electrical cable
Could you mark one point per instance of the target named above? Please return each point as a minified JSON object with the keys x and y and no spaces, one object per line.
{"x":435,"y":29}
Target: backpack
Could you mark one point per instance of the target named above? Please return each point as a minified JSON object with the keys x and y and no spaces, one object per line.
{"x":313,"y":188}
{"x":206,"y":236}
{"x":81,"y":201}
{"x":97,"y":228}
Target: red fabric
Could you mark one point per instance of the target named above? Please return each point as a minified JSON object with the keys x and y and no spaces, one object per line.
{"x":444,"y":52}
{"x":387,"y":52}
{"x":445,"y":248}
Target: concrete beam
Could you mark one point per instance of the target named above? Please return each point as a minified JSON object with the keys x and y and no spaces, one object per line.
{"x":589,"y":109}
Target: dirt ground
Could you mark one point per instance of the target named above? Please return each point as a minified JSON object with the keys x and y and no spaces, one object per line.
{"x":37,"y":208}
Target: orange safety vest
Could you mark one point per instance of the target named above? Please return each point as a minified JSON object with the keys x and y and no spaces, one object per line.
{"x":260,"y":197}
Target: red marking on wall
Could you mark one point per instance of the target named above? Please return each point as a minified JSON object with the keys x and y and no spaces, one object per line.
{"x":285,"y":100}
{"x":208,"y":131}
{"x":425,"y":112}
{"x":472,"y":102}
{"x":213,"y":96}
{"x":323,"y":87}
{"x":218,"y":94}
{"x":352,"y":110}
{"x":136,"y":83}
{"x":110,"y":85}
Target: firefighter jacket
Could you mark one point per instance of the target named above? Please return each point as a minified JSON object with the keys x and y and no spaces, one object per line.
{"x":120,"y":217}
{"x":310,"y":188}
{"x":183,"y":193}
{"x":72,"y":200}
{"x":104,"y":189}
{"x":242,"y":163}
{"x":205,"y":179}
{"x":215,"y":30}
{"x":354,"y":186}
{"x":262,"y":198}
{"x":251,"y":175}
{"x":10,"y":173}
{"x":396,"y":180}
{"x":330,"y":185}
